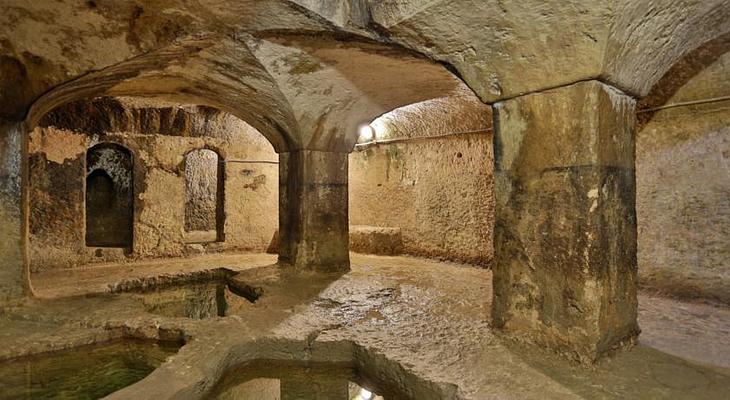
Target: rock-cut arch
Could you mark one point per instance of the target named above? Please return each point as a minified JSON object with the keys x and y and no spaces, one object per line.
{"x":109,"y":196}
{"x":212,"y":71}
{"x":204,"y":196}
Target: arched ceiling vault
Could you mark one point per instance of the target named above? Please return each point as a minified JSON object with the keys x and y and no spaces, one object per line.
{"x":649,"y":37}
{"x":213,"y":70}
{"x":456,"y":114}
{"x":44,"y":44}
{"x":306,"y":72}
{"x":301,"y":92}
{"x":699,"y":75}
{"x":504,"y":48}
{"x":335,"y":85}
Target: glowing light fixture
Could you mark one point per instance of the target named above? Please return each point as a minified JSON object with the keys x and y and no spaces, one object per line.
{"x":365,"y":394}
{"x":367,"y":133}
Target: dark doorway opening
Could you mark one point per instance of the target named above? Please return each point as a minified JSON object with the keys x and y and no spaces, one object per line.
{"x":109,"y":196}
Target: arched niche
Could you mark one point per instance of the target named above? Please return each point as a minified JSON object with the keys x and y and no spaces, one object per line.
{"x":204,"y":196}
{"x":109,"y":196}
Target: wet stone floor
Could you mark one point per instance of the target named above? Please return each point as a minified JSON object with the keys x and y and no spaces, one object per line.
{"x":396,"y":327}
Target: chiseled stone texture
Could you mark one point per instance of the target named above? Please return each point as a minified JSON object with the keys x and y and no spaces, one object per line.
{"x":437,"y":190}
{"x":683,"y":180}
{"x":420,"y":324}
{"x":159,"y":138}
{"x":313,"y":224}
{"x":201,"y":190}
{"x":648,"y":37}
{"x":272,"y":62}
{"x":376,"y":240}
{"x":335,"y":86}
{"x":565,"y":224}
{"x":13,"y":279}
{"x":503,"y":48}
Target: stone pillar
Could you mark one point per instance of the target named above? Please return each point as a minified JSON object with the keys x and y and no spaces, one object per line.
{"x":565,"y":219}
{"x":313,"y":211}
{"x":14,"y":281}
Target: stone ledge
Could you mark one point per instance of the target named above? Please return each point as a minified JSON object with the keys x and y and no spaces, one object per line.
{"x":364,"y":239}
{"x":376,"y":240}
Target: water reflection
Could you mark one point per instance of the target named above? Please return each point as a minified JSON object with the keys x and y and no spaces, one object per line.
{"x":280,"y":380}
{"x":197,"y":301}
{"x":87,"y":372}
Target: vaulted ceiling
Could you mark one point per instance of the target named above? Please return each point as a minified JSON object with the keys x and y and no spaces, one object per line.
{"x":305,"y":73}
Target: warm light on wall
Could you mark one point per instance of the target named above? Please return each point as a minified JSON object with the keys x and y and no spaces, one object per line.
{"x":367,"y":133}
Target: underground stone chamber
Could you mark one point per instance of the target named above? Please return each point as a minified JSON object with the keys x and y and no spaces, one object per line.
{"x":442,"y":199}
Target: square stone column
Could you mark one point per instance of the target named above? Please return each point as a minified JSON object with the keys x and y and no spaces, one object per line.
{"x":14,"y":281}
{"x":565,"y":219}
{"x":313,"y":211}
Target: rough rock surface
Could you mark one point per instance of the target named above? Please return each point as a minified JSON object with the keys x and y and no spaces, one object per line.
{"x":201,"y":190}
{"x":376,"y":240}
{"x":565,"y":222}
{"x":13,"y":274}
{"x":304,"y":73}
{"x":313,"y":225}
{"x":437,"y":189}
{"x":683,"y":179}
{"x":159,"y":147}
{"x":249,"y":50}
{"x":421,"y":324}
